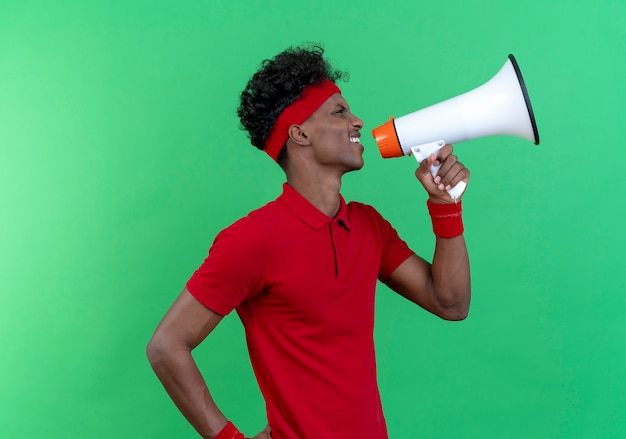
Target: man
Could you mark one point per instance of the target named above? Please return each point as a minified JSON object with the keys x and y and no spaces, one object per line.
{"x":301,"y":271}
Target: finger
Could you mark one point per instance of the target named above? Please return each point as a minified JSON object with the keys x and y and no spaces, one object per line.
{"x":456,"y":174}
{"x":442,"y":156}
{"x":424,"y":175}
{"x":444,"y":174}
{"x":425,"y":165}
{"x":445,"y":151}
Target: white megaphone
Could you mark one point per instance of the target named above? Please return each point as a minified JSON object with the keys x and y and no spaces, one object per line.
{"x":500,"y":106}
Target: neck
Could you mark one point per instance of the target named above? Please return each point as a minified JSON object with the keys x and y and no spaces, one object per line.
{"x":323,"y":193}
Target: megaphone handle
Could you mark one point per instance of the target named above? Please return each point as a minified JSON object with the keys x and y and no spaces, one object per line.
{"x":454,"y":192}
{"x":422,"y":152}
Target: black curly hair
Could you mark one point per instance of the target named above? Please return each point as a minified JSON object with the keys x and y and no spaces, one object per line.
{"x":277,"y":84}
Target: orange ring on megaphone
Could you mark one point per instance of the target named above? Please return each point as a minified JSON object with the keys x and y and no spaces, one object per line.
{"x":387,"y":140}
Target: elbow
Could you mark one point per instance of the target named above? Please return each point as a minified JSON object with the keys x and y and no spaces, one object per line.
{"x":455,"y":310}
{"x":153,"y":351}
{"x":455,"y":314}
{"x":163,"y":350}
{"x":157,"y":351}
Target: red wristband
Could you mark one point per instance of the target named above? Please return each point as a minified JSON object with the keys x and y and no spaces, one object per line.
{"x":229,"y":432}
{"x":447,"y":219}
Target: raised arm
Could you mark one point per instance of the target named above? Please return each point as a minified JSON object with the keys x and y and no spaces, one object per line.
{"x":443,"y":287}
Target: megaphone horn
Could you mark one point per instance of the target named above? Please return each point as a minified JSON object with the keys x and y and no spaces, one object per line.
{"x":501,"y":106}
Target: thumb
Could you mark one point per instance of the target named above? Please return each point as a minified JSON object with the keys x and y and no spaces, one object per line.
{"x":423,"y":172}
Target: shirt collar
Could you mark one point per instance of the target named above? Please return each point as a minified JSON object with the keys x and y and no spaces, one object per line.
{"x":310,"y":214}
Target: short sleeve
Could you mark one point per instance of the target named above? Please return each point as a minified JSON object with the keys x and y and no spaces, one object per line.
{"x":232,"y":271}
{"x":394,"y":250}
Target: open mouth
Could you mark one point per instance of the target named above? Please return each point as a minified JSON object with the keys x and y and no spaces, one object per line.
{"x":355,"y":140}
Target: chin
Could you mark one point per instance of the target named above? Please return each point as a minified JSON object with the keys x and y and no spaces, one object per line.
{"x":356,"y":166}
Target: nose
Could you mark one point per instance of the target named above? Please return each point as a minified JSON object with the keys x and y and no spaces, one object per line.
{"x":357,"y":122}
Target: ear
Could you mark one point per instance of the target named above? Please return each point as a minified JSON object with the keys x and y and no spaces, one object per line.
{"x":300,"y":135}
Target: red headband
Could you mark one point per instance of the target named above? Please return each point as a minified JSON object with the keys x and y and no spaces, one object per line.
{"x":296,"y":113}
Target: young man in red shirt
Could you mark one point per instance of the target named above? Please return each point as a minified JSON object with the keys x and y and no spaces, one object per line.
{"x":301,"y":271}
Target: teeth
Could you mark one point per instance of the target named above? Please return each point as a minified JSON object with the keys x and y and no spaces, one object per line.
{"x":354,"y":140}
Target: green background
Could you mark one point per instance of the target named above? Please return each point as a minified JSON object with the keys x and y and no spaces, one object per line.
{"x":121,"y":158}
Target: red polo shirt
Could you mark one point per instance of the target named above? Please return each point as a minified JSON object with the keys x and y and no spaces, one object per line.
{"x":303,"y":285}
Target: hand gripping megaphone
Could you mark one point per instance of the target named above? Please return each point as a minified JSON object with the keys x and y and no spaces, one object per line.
{"x":500,"y":106}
